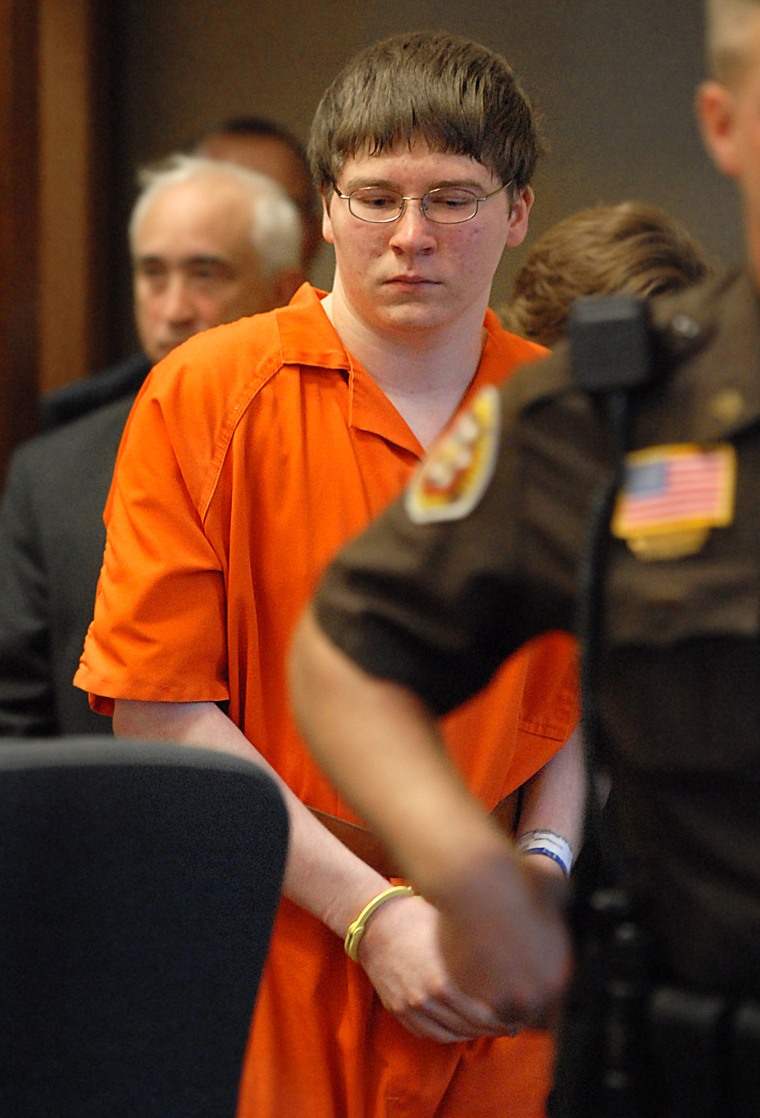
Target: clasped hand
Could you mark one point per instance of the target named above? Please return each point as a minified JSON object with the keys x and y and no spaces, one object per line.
{"x":401,"y":954}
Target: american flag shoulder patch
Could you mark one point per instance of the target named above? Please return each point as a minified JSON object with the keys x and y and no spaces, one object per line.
{"x":675,"y":488}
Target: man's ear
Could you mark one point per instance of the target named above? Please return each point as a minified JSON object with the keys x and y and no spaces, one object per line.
{"x":716,"y":113}
{"x":518,"y":217}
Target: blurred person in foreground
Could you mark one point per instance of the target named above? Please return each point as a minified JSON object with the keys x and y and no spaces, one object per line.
{"x":272,"y":442}
{"x":210,"y":242}
{"x":627,"y":247}
{"x":417,"y":613}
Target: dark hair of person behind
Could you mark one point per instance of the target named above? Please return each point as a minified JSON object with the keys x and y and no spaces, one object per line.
{"x":457,"y":95}
{"x":254,"y":126}
{"x":631,"y":248}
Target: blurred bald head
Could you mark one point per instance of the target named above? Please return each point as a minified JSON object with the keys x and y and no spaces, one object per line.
{"x":264,"y":146}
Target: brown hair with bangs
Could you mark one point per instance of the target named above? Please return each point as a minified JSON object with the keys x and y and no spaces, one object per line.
{"x":457,"y":95}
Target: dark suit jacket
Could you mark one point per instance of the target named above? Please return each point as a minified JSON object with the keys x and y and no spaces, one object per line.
{"x":84,"y":396}
{"x":51,"y":548}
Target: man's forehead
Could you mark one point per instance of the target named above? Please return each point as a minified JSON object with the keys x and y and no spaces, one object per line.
{"x":419,"y":153}
{"x":203,"y":193}
{"x":179,"y":237}
{"x":197,"y":215}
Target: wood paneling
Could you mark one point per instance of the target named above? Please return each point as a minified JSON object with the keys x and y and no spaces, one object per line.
{"x":75,"y":188}
{"x":18,"y":224}
{"x":56,"y":237}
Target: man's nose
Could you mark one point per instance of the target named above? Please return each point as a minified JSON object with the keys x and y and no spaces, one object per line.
{"x":176,"y":304}
{"x":412,"y":228}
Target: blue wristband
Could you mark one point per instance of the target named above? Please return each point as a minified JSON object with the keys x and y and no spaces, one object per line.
{"x":549,"y":854}
{"x":550,"y":844}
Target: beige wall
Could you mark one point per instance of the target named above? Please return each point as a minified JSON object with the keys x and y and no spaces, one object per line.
{"x":614,"y":80}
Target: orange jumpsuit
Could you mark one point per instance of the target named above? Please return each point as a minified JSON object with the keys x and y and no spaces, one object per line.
{"x":254,"y":451}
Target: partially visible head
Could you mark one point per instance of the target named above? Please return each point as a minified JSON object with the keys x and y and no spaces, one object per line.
{"x":731,"y":26}
{"x":265,"y":146}
{"x":210,"y":242}
{"x":728,"y":105}
{"x":456,"y":95}
{"x":630,"y":248}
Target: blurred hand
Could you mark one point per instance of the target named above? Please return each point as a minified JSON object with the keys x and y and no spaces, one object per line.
{"x":509,"y":947}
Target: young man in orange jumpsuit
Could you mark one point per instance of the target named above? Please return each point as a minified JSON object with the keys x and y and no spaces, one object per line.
{"x":251,"y":455}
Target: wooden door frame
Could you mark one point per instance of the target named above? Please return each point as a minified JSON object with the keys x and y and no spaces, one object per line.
{"x":57,"y":124}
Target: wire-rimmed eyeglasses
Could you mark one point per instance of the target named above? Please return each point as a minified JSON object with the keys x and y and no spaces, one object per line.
{"x":446,"y":205}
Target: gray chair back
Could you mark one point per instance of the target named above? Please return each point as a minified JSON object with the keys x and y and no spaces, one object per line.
{"x":138,"y":887}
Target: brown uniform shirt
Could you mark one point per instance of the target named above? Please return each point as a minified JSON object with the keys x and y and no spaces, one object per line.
{"x":678,"y":687}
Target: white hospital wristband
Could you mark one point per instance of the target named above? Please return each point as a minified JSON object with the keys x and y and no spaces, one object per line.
{"x":549,"y":844}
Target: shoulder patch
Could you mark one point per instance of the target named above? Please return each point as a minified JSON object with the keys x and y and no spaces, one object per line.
{"x":672,"y":496}
{"x":454,"y":477}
